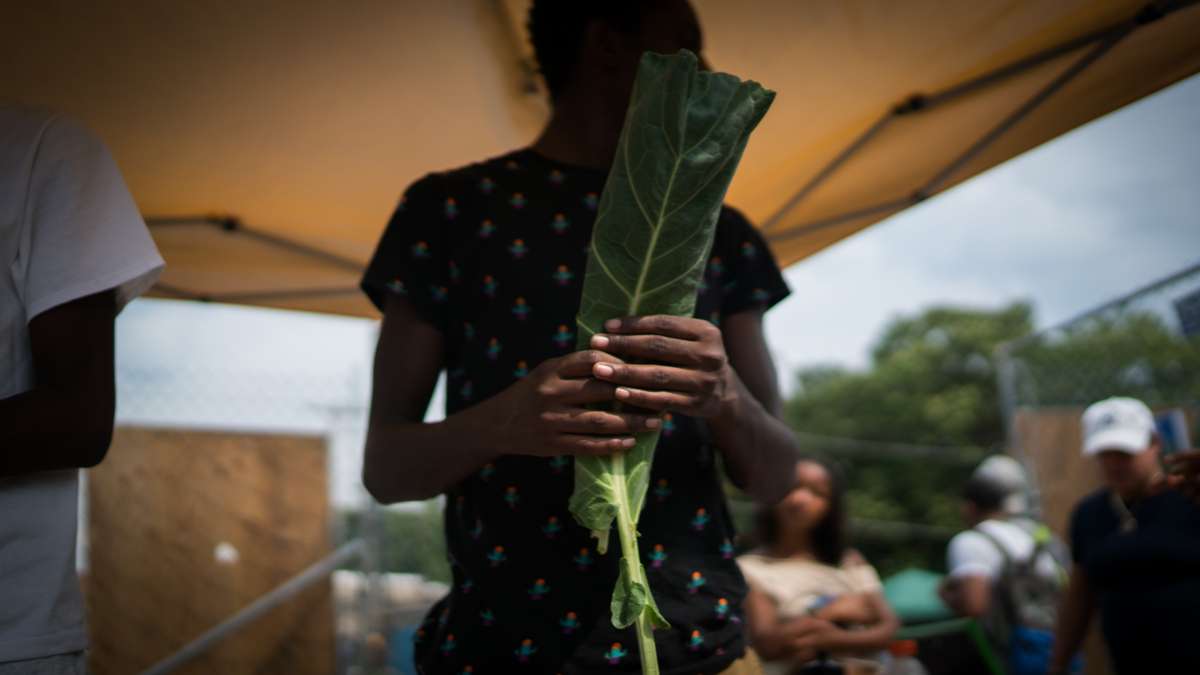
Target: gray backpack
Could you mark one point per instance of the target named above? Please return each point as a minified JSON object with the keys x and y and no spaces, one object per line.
{"x":1023,"y":597}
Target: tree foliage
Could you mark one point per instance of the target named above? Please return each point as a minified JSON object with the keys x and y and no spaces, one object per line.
{"x":931,"y":384}
{"x":932,"y":381}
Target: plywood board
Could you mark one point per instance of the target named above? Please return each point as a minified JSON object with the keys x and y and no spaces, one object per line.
{"x":161,"y":504}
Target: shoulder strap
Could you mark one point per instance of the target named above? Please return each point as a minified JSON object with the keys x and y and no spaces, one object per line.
{"x":1042,"y":538}
{"x":1044,"y":541}
{"x":997,"y":544}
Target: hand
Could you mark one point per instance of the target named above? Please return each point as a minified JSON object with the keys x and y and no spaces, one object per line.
{"x":682,"y":365}
{"x":546,"y":413}
{"x":808,"y":636}
{"x":1185,"y":468}
{"x":852,"y":608}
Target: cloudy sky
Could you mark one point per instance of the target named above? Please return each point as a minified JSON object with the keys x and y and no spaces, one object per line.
{"x":1090,"y":216}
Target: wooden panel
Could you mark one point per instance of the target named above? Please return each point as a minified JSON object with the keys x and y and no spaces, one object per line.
{"x":161,"y":504}
{"x":1052,"y":439}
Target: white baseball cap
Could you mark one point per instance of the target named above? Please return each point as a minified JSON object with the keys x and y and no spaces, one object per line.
{"x":1008,"y":475}
{"x":1122,"y":424}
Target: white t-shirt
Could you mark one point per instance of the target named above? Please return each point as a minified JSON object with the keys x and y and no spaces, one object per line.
{"x":68,"y":229}
{"x":795,"y":585}
{"x":972,"y":554}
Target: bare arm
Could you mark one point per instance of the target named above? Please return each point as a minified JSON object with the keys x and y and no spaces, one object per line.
{"x":760,"y":450}
{"x":726,"y":377}
{"x":1074,"y":616}
{"x":66,"y":420}
{"x":969,"y":595}
{"x":542,"y":414}
{"x":876,"y":634}
{"x":404,"y":458}
{"x":772,"y":639}
{"x":803,"y":638}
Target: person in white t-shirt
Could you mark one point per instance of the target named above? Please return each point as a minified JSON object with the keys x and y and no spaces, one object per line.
{"x":1007,"y":569}
{"x":74,"y":251}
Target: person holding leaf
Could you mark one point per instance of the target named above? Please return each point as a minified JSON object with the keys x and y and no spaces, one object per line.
{"x":479,"y":274}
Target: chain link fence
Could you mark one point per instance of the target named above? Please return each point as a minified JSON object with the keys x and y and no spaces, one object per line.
{"x":1145,"y":345}
{"x":184,"y":367}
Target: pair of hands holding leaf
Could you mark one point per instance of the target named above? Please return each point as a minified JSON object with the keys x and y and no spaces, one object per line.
{"x":651,"y":365}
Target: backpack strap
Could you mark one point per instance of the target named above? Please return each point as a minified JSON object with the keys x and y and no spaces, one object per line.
{"x":1009,"y":561}
{"x":1002,"y":617}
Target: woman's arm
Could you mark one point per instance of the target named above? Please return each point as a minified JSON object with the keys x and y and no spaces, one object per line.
{"x":774,"y":640}
{"x":875,"y":635}
{"x":851,"y":608}
{"x":803,"y":638}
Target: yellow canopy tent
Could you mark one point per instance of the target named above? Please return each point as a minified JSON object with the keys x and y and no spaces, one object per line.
{"x":267,"y":142}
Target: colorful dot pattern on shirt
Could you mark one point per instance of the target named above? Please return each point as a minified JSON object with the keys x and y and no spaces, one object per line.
{"x":494,"y":256}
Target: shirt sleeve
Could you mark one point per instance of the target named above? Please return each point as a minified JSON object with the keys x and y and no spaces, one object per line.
{"x":412,"y":258}
{"x":750,"y":277}
{"x":971,"y":554}
{"x":84,"y":232}
{"x":752,"y":570}
{"x":863,"y":578}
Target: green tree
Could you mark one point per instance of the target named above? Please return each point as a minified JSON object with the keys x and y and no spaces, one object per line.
{"x":932,"y":384}
{"x":411,"y":540}
{"x":933,"y":381}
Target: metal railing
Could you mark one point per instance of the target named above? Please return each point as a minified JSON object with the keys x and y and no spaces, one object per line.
{"x":265,"y":603}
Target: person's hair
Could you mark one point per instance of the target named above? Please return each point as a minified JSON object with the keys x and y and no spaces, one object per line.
{"x":557,"y":29}
{"x":829,"y":540}
{"x":987,"y":495}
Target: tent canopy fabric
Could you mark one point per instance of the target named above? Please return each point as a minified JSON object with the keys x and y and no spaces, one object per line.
{"x":268,"y":142}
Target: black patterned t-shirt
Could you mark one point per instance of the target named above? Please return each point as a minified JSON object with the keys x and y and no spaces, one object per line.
{"x":493,"y":255}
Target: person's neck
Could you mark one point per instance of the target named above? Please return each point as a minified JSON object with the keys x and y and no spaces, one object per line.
{"x":992,"y":515}
{"x":796,"y":545}
{"x":581,"y":132}
{"x":1146,"y":488}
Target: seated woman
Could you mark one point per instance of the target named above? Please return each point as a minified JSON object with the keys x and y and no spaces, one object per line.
{"x":811,"y":597}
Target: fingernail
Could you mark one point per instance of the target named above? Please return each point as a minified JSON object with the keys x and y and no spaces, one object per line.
{"x":603,"y":370}
{"x":628,"y":443}
{"x":622,"y":393}
{"x":599,"y":341}
{"x":612,"y":325}
{"x":653,"y":423}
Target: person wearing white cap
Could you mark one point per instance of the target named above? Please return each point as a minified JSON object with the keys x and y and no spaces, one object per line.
{"x":1136,"y":550}
{"x":1007,"y":569}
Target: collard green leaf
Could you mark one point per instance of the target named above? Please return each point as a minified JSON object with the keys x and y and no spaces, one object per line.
{"x":631,"y":598}
{"x":684,"y":133}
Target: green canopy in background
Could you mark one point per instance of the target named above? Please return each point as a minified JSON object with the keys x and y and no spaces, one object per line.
{"x":913,"y":595}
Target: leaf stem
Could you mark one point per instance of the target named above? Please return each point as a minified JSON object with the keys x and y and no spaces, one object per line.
{"x":629,"y":551}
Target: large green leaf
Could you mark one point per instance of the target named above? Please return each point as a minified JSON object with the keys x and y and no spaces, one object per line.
{"x":684,"y":133}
